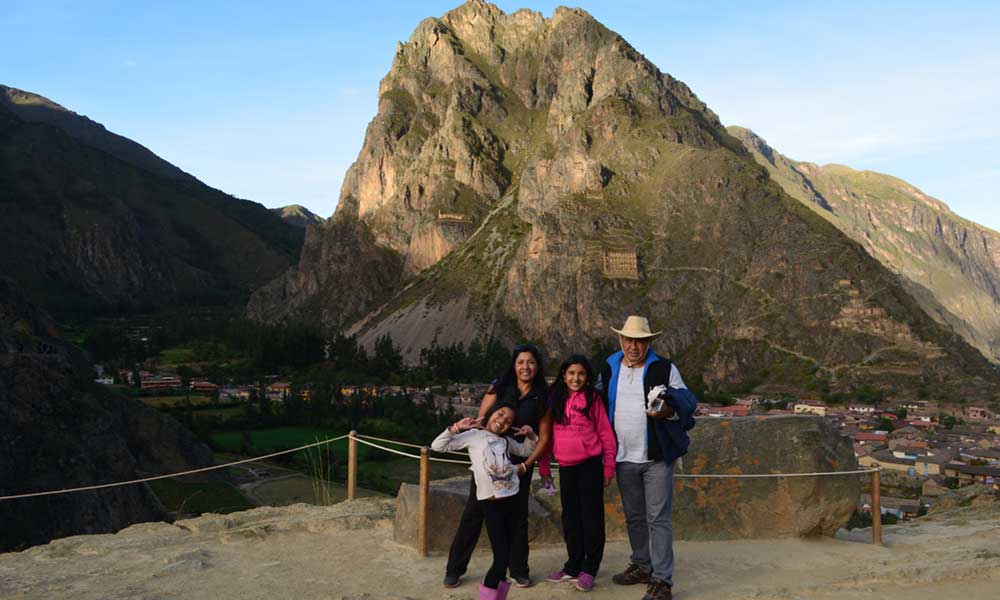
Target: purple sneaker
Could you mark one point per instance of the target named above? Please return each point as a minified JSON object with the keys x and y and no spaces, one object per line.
{"x":585,"y":582}
{"x":560,"y":576}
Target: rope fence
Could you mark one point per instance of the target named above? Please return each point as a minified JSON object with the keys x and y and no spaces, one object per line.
{"x":169,"y":475}
{"x":425,"y":458}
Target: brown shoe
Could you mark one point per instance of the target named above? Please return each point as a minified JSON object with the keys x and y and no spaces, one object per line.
{"x":631,"y":576}
{"x":658,"y":590}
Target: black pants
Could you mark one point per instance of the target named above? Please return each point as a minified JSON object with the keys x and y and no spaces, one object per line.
{"x":471,"y":525}
{"x":581,"y":489}
{"x":501,"y":521}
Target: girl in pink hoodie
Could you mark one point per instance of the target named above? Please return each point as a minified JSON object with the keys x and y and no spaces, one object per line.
{"x":584,"y":445}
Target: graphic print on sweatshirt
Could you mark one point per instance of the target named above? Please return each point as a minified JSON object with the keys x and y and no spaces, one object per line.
{"x":497,"y":464}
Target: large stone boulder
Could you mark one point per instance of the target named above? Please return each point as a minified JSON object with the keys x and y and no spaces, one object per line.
{"x":717,"y":509}
{"x":704,"y":509}
{"x":445,"y":505}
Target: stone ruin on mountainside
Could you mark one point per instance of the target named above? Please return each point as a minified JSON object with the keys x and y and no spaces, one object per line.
{"x":621,"y":265}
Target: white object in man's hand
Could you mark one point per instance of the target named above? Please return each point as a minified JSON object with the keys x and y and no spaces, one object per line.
{"x":656,"y":408}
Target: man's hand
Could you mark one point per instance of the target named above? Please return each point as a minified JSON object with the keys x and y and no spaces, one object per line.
{"x":665,"y":413}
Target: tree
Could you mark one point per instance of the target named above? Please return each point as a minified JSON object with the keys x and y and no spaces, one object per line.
{"x":885,"y":424}
{"x":388,"y":359}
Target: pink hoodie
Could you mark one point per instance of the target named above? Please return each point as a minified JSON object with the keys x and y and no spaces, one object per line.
{"x":581,"y":437}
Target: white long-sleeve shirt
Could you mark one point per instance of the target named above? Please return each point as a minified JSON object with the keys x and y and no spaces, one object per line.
{"x":495,"y":476}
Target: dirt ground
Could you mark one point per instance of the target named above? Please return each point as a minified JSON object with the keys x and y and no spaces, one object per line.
{"x":346,"y":552}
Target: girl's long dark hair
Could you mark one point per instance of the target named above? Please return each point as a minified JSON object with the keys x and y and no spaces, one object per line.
{"x":559,"y":393}
{"x":508,"y":378}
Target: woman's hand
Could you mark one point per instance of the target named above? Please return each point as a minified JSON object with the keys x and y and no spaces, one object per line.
{"x":527,"y":432}
{"x":608,"y":480}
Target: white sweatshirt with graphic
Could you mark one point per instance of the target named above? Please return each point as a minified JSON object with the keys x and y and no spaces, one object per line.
{"x":490,"y":454}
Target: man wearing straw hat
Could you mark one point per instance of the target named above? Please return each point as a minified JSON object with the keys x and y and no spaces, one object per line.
{"x":651,"y":411}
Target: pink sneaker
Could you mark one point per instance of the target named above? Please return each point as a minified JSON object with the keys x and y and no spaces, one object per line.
{"x":560,"y":576}
{"x":585,"y":582}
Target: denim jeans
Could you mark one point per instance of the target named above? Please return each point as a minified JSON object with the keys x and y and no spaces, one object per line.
{"x":647,"y":491}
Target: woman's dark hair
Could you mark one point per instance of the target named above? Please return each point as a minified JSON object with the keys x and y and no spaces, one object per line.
{"x":509,"y":377}
{"x":560,"y":391}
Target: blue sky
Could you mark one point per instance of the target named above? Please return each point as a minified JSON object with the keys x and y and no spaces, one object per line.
{"x":269,"y":100}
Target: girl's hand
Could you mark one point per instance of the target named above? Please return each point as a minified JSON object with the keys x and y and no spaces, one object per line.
{"x":466,"y":424}
{"x":547,"y":481}
{"x":608,"y":480}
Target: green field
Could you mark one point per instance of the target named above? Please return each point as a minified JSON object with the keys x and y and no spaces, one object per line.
{"x":266,"y":441}
{"x":175,"y":401}
{"x":377,"y":470}
{"x":198,"y":498}
{"x":176,"y":356}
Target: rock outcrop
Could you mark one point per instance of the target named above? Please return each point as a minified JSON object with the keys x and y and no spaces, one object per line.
{"x":951,"y":265}
{"x":512,"y":153}
{"x":59,"y":429}
{"x":93,"y":222}
{"x":704,"y":509}
{"x":298,"y":216}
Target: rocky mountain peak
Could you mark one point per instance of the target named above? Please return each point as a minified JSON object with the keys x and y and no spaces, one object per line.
{"x":531,"y":177}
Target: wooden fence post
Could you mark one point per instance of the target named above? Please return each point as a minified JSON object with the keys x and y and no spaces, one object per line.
{"x":425,"y":488}
{"x":352,"y":465}
{"x":876,"y":508}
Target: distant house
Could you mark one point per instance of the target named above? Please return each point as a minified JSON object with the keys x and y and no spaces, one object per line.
{"x":967,"y":474}
{"x":279,"y":391}
{"x":862,"y":409}
{"x":806,"y":408}
{"x":931,"y":464}
{"x":904,"y":508}
{"x":866,"y":437}
{"x":727,"y":411}
{"x":107,"y":380}
{"x":886,"y":460}
{"x":203,"y":387}
{"x":235,"y":393}
{"x":979,"y":413}
{"x":150,"y":381}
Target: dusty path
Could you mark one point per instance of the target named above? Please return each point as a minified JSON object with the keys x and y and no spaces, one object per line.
{"x":346,"y":552}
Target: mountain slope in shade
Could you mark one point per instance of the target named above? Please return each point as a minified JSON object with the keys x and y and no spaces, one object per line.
{"x":298,"y":216}
{"x":950,"y":264}
{"x":32,"y":108}
{"x":84,"y":230}
{"x":59,"y":429}
{"x":533,"y":178}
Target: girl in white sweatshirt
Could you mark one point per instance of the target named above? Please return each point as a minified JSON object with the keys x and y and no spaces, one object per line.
{"x":497,"y":482}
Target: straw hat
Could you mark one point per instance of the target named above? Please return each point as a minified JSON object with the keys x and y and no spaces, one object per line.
{"x":637,"y":328}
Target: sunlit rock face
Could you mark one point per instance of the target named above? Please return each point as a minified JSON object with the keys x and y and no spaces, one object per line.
{"x":513,"y":153}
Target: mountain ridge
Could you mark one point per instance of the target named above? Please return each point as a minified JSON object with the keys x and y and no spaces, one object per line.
{"x":533,"y":178}
{"x":950,"y":264}
{"x":106,"y":235}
